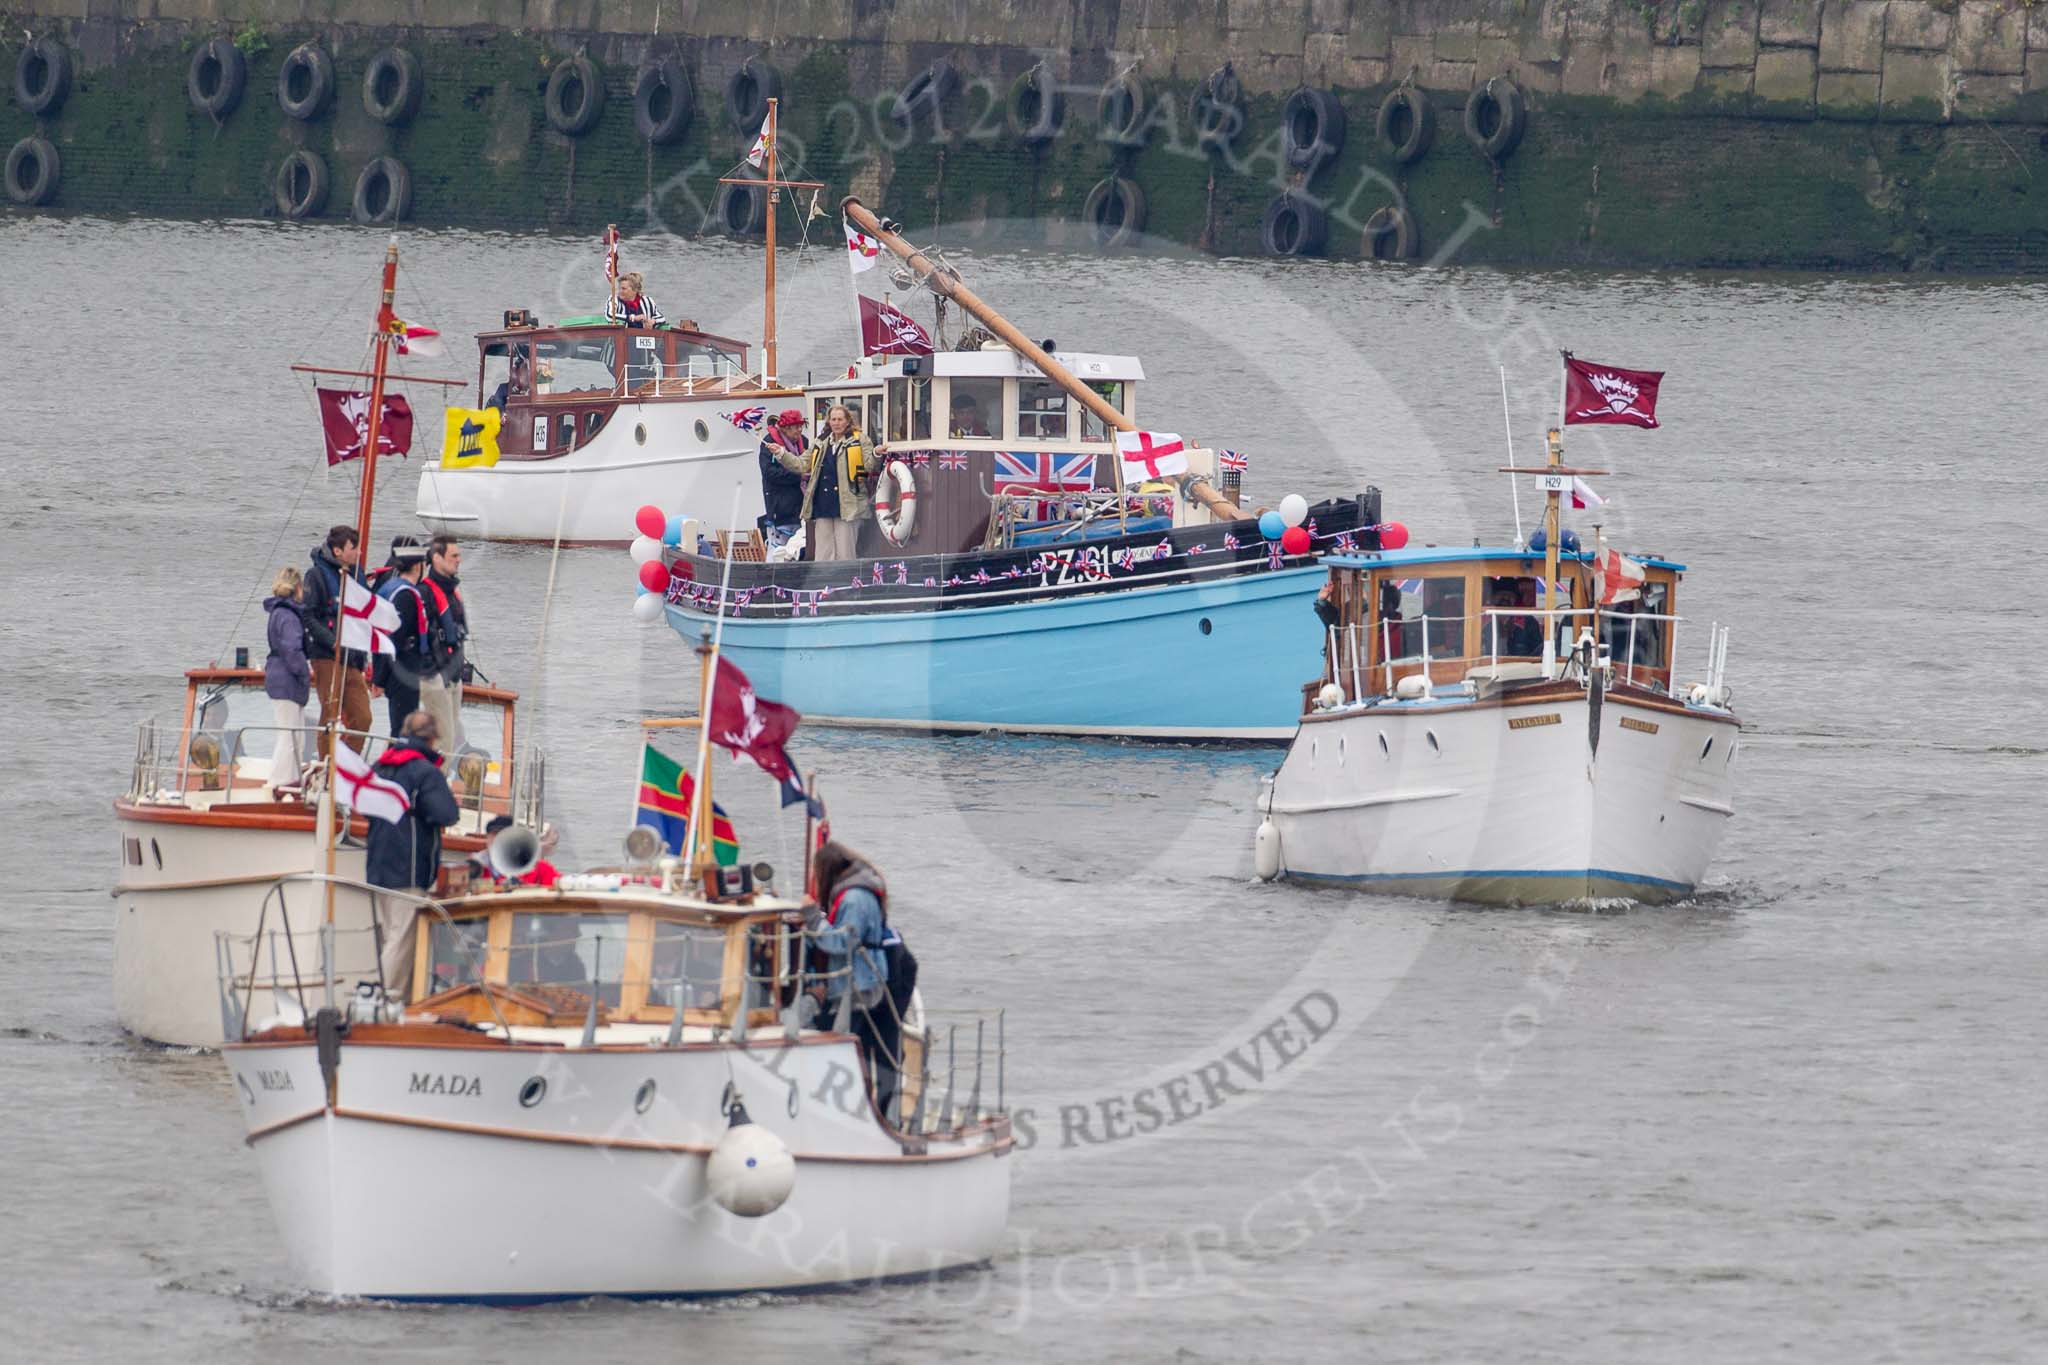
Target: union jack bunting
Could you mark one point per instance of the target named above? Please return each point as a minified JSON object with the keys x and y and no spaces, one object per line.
{"x":1163,"y":550}
{"x":952,"y":459}
{"x":1230,"y":542}
{"x":1231,"y":461}
{"x":920,"y":459}
{"x":748,"y":419}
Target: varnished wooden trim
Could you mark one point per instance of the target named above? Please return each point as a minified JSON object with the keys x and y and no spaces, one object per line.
{"x":281,"y":1124}
{"x":265,"y":815}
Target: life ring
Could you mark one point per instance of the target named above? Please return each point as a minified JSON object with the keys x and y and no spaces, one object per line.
{"x":1391,"y":235}
{"x":1295,"y":225}
{"x":1216,"y":109}
{"x":926,"y":94}
{"x":747,"y":94}
{"x":1311,"y":128}
{"x":383,"y":192}
{"x":33,"y":169}
{"x":1495,"y":117}
{"x":575,"y":96}
{"x":305,"y":81}
{"x":896,"y":502}
{"x":1120,"y":111}
{"x":663,"y":101}
{"x":1405,"y":124}
{"x":1036,"y":107}
{"x":741,"y":210}
{"x":301,"y":185}
{"x":393,"y":87}
{"x":1114,"y":211}
{"x":214,"y":80}
{"x":42,"y":77}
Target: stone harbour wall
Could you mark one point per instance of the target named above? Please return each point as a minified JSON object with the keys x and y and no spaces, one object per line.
{"x":1830,"y":134}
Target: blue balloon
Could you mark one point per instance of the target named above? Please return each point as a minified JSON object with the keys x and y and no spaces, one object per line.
{"x":1568,"y":542}
{"x":1272,"y":525}
{"x":672,"y":534}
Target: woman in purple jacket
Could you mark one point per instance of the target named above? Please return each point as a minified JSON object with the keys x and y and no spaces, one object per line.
{"x":287,"y":676}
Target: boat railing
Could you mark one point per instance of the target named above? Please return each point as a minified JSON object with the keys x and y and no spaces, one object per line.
{"x":338,"y":952}
{"x":974,"y":1088}
{"x":1347,"y":649}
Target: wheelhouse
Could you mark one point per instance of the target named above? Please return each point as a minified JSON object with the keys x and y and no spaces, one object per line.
{"x":1459,"y":615}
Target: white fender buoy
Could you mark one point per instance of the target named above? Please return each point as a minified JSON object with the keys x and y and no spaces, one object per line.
{"x":1266,"y":851}
{"x":751,"y":1172}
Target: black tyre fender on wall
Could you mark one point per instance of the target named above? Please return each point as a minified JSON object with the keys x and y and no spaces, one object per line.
{"x":1311,"y":128}
{"x":33,"y":170}
{"x":927,"y":93}
{"x":747,"y":94}
{"x":1405,"y":125}
{"x":575,"y":95}
{"x":304,"y":81}
{"x":301,"y":185}
{"x":1391,"y":235}
{"x":216,"y":77}
{"x":741,"y":210}
{"x":1120,"y":111}
{"x":664,"y":101}
{"x":42,"y":77}
{"x":1114,"y":212}
{"x":393,"y":87}
{"x":1036,"y":108}
{"x":383,"y":192}
{"x":1216,"y":109}
{"x":1295,"y":225}
{"x":1496,"y":115}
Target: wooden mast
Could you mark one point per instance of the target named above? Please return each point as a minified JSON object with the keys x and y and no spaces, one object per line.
{"x":1557,"y":477}
{"x":947,"y":284}
{"x":774,"y":193}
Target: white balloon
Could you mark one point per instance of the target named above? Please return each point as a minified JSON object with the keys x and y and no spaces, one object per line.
{"x":1294,"y":509}
{"x":645,"y":548}
{"x":647,"y":607}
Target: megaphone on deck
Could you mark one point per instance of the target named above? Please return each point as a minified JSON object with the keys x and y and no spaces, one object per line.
{"x":514,"y":851}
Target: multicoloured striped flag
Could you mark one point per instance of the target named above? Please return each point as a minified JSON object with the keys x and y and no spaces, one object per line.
{"x":667,"y":796}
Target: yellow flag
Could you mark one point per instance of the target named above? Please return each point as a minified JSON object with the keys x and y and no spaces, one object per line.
{"x":471,"y":438}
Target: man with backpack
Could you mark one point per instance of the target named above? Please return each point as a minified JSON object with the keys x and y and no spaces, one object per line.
{"x":412,"y":657}
{"x":441,"y":683}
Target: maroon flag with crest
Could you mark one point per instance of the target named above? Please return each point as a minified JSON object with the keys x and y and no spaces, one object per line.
{"x":756,"y":729}
{"x":1606,"y":393}
{"x":345,"y":419}
{"x":888,"y":331}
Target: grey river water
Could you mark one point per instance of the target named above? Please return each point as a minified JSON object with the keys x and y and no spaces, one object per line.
{"x":1799,"y":1118}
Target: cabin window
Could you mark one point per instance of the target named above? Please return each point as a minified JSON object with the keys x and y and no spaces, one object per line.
{"x":1092,"y":428}
{"x":592,"y":421}
{"x":570,"y":950}
{"x":702,"y":360}
{"x":493,"y":374}
{"x":455,"y":951}
{"x":1405,"y":602}
{"x":575,"y":365}
{"x":910,"y":410}
{"x":643,"y":359}
{"x":242,"y":728}
{"x":688,"y":965}
{"x":1041,"y":410}
{"x":565,"y":429}
{"x":873,"y":425}
{"x":483,"y":735}
{"x":1631,"y":638}
{"x":975,"y":409}
{"x":1509,"y":624}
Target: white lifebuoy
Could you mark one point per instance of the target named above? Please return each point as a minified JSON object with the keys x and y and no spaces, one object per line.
{"x":896,"y":502}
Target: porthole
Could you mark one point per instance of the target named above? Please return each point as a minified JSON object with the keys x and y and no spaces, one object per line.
{"x":703,"y":432}
{"x":157,"y":854}
{"x":1706,"y":748}
{"x":1434,"y":746}
{"x":1384,"y":751}
{"x":533,"y":1092}
{"x":640,"y":433}
{"x":1314,"y":747}
{"x":643,"y":1099}
{"x":1728,"y":760}
{"x":1206,"y":627}
{"x":1340,"y":751}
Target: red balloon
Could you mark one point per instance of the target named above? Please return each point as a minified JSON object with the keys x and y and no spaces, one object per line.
{"x":1294,"y":540}
{"x":650,"y":522}
{"x":1393,"y":535}
{"x":654,"y":575}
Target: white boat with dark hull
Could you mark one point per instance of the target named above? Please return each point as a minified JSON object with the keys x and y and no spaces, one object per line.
{"x":554,"y":1118}
{"x":1474,"y":737}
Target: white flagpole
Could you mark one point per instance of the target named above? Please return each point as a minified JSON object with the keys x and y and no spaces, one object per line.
{"x":1508,"y":423}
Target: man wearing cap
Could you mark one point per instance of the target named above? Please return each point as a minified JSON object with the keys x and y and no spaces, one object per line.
{"x":782,"y":490}
{"x":412,"y":643}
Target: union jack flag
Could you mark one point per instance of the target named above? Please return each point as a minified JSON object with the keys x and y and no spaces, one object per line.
{"x":748,"y":419}
{"x":952,"y":459}
{"x":1016,"y":468}
{"x":920,"y":459}
{"x":1231,"y":461}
